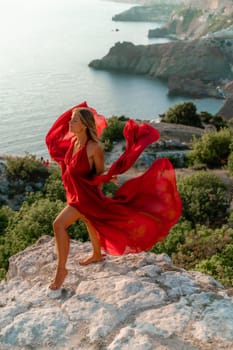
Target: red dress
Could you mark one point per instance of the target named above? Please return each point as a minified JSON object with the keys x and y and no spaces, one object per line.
{"x":142,"y":210}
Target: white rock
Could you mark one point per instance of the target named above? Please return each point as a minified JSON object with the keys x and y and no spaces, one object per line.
{"x":136,"y":302}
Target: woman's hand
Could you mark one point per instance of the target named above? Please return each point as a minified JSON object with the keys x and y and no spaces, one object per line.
{"x":115,"y":179}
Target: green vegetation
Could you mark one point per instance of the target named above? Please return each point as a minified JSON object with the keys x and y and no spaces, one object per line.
{"x":205,"y":198}
{"x":183,"y":113}
{"x":186,"y":114}
{"x":113,"y":132}
{"x":201,"y":248}
{"x":188,"y":15}
{"x":219,"y":22}
{"x":212,"y":149}
{"x":216,"y":120}
{"x":26,"y":168}
{"x":203,"y":238}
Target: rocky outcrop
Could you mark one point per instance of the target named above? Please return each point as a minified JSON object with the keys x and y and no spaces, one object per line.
{"x":150,"y":2}
{"x":197,"y":19}
{"x":227,"y":109}
{"x":228,"y":89}
{"x":131,"y":302}
{"x":192,"y":87}
{"x":155,"y":13}
{"x":203,"y":61}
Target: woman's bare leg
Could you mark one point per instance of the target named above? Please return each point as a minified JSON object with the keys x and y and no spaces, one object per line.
{"x":96,"y":255}
{"x":66,"y":217}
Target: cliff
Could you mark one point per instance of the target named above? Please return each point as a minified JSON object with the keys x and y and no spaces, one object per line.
{"x":208,"y":61}
{"x":155,"y":13}
{"x":130,"y":302}
{"x":197,"y":19}
{"x":226,"y":111}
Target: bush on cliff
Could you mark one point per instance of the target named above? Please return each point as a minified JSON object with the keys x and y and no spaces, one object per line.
{"x":230,"y":160}
{"x":219,"y":266}
{"x":175,"y":238}
{"x":201,"y":248}
{"x":216,"y":120}
{"x":183,"y":113}
{"x":53,"y":188}
{"x":27,"y":168}
{"x":113,"y":132}
{"x":212,"y":149}
{"x":205,"y":198}
{"x":26,"y":226}
{"x":6,"y":215}
{"x":209,"y":251}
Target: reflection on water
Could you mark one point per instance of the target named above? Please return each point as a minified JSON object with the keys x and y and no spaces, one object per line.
{"x":47,"y":46}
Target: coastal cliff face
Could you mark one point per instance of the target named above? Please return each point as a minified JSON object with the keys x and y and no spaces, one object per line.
{"x":227,"y":109}
{"x":137,"y":301}
{"x":197,"y":19}
{"x":155,"y":13}
{"x":205,"y":60}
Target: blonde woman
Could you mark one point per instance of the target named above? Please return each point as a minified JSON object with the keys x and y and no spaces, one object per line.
{"x":142,"y":210}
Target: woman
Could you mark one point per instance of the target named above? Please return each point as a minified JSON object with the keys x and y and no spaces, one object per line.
{"x":142,"y":210}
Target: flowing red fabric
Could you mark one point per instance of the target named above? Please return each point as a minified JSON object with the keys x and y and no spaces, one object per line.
{"x":143,"y":209}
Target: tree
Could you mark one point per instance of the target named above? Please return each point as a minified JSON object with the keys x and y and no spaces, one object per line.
{"x":183,"y":113}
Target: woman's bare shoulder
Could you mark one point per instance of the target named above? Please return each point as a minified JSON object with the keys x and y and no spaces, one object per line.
{"x":94,"y":146}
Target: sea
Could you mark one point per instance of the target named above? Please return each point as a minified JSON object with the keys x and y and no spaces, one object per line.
{"x":46,"y":46}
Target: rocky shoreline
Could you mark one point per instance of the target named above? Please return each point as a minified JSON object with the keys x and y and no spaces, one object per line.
{"x":198,"y":65}
{"x":197,"y":74}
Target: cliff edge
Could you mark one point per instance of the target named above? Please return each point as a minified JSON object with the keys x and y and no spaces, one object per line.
{"x":135,"y":302}
{"x":194,"y":67}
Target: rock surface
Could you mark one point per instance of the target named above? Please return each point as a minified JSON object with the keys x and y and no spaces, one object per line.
{"x":183,"y":60}
{"x":196,"y":19}
{"x":226,"y":111}
{"x":135,"y":302}
{"x":156,"y":13}
{"x":192,"y":87}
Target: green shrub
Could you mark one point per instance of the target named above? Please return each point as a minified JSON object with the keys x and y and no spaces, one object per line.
{"x":230,"y":163}
{"x":26,"y":226}
{"x":54,"y":189}
{"x":212,"y":149}
{"x":202,"y":243}
{"x":26,"y":168}
{"x":34,"y":220}
{"x":78,"y":231}
{"x":206,"y":117}
{"x":204,"y":198}
{"x":230,"y":219}
{"x":216,"y":120}
{"x":113,"y":132}
{"x":219,"y":266}
{"x":175,"y":238}
{"x":6,"y":214}
{"x":109,"y":188}
{"x":183,"y":113}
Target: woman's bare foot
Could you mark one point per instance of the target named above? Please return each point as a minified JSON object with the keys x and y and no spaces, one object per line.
{"x":92,"y":259}
{"x":59,"y":278}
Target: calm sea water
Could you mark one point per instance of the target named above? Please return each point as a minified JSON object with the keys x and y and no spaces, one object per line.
{"x":46,"y":46}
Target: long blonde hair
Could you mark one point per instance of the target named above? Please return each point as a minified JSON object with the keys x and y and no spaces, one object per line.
{"x":88,"y":120}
